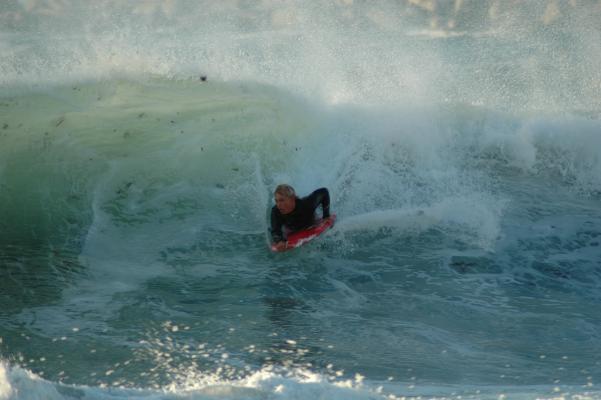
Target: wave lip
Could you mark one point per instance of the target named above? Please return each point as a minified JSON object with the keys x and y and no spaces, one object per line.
{"x":519,"y":57}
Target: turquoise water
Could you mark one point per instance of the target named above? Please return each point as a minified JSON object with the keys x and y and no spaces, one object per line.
{"x":460,"y":143}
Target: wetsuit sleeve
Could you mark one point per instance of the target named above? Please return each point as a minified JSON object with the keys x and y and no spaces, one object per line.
{"x":276,"y":226}
{"x":321,"y":197}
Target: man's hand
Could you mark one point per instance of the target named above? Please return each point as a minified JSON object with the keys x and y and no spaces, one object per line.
{"x":281,"y":246}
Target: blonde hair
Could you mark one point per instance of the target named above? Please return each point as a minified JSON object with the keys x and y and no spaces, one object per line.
{"x":285,"y":190}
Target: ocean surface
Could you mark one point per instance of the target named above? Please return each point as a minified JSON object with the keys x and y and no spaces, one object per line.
{"x":140,"y":143}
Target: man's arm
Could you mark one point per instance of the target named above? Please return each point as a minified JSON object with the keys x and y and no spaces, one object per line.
{"x":321,"y":197}
{"x":276,"y":227}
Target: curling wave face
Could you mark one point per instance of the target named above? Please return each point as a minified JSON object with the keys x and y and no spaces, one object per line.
{"x":141,"y":210}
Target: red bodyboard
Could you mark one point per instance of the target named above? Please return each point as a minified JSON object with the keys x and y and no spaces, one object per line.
{"x":299,"y":238}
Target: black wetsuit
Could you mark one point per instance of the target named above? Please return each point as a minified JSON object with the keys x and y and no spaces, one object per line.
{"x":303,"y":215}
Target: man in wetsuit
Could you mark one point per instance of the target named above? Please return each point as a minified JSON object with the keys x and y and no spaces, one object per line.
{"x":295,"y":213}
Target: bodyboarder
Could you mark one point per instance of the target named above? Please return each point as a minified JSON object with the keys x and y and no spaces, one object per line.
{"x":291,"y":213}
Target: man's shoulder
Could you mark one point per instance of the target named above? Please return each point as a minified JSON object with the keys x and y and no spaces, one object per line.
{"x":316,"y":192}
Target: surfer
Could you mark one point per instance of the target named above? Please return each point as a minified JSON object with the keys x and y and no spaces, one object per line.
{"x":293,"y":213}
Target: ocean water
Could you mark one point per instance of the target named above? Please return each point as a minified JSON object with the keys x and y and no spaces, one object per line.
{"x":140,"y":143}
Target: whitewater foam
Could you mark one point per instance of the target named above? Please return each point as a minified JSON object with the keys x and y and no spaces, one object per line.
{"x":320,"y":50}
{"x":299,"y":384}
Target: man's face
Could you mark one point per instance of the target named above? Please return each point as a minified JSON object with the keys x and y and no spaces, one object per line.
{"x":285,"y":204}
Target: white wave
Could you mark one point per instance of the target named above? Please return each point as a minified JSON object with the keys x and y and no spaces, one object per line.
{"x":341,"y":52}
{"x":19,"y":384}
{"x":477,"y":215}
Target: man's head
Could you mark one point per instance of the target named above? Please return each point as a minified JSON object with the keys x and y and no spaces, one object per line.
{"x":285,"y":198}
